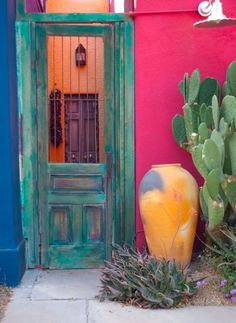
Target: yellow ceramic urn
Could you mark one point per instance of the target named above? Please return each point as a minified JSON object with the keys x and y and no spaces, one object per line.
{"x":169,"y":210}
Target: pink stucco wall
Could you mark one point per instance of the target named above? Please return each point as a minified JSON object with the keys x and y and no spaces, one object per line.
{"x":112,"y":8}
{"x":167,"y":46}
{"x":34,"y":5}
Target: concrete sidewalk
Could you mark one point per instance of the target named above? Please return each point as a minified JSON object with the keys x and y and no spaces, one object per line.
{"x":69,"y":297}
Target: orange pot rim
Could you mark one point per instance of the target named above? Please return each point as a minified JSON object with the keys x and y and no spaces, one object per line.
{"x":166,"y":165}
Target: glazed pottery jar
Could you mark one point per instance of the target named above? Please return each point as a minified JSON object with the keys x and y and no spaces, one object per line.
{"x":169,"y":210}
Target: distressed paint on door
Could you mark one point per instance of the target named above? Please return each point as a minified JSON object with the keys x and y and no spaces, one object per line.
{"x":123,"y":172}
{"x":75,"y":200}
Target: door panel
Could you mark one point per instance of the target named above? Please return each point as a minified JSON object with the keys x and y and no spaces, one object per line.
{"x":75,"y":146}
{"x":60,"y":225}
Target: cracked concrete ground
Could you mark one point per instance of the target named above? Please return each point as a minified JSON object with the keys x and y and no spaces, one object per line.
{"x":68,"y":296}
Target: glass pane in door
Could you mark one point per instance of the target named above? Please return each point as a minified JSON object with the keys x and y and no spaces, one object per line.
{"x":75,"y":99}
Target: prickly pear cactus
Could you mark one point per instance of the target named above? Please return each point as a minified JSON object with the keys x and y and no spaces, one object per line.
{"x":231,"y":79}
{"x":210,"y":136}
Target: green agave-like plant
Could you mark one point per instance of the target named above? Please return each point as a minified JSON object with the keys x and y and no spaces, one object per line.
{"x":207,"y":130}
{"x":223,"y":245}
{"x":139,"y":279}
{"x":224,"y":240}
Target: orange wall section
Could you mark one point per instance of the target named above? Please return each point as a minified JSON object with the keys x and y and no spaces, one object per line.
{"x":64,"y":75}
{"x":85,"y":6}
{"x":62,"y":71}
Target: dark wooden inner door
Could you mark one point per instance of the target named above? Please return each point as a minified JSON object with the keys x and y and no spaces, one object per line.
{"x":81,"y":128}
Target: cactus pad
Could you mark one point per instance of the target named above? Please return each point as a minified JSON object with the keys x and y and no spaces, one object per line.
{"x":218,"y":140}
{"x":184,"y":87}
{"x":203,"y":205}
{"x":228,"y":109}
{"x":198,"y":161}
{"x":188,"y":120}
{"x":203,"y":132}
{"x":211,"y":155}
{"x":178,"y":129}
{"x":225,"y":89}
{"x":232,"y":152}
{"x":213,"y":183}
{"x":194,"y":86}
{"x":216,"y":213}
{"x":208,"y":88}
{"x":229,"y":188}
{"x":223,"y":127}
{"x":203,"y":108}
{"x":215,"y":112}
{"x":231,"y":79}
{"x":209,"y":117}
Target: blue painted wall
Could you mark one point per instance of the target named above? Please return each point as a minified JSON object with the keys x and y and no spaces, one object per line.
{"x":12,"y":258}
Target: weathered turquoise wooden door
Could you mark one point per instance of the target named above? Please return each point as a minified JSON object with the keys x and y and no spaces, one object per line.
{"x":75,"y":115}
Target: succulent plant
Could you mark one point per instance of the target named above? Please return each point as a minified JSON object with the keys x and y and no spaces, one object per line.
{"x":210,"y":137}
{"x":222,"y":246}
{"x":139,"y":279}
{"x":231,"y":80}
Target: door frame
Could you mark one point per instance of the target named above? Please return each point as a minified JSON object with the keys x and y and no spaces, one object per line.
{"x":123,"y":185}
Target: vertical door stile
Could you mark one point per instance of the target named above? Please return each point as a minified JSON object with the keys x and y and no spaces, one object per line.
{"x":128,"y":98}
{"x":26,"y":78}
{"x":34,"y":137}
{"x":119,"y":94}
{"x":109,"y":149}
{"x":42,"y":103}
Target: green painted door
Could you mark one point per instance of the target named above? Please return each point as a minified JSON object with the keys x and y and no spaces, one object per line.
{"x":75,"y":131}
